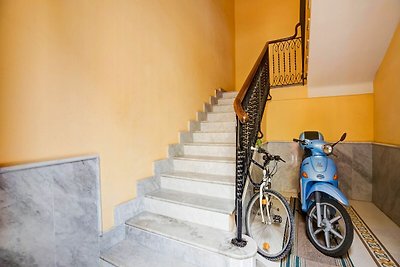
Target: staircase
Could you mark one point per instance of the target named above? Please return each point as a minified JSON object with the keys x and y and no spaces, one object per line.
{"x":189,"y":221}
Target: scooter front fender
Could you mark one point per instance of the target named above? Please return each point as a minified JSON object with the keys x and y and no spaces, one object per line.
{"x":329,"y":190}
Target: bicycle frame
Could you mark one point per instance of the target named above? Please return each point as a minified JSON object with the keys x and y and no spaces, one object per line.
{"x":265,"y":184}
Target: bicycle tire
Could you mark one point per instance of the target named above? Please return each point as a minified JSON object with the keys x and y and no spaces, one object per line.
{"x":251,"y":226}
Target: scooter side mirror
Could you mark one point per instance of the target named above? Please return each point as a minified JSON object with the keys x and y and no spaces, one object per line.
{"x":343,"y":137}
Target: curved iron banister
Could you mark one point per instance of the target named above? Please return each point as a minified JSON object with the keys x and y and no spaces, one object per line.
{"x":237,"y":104}
{"x":249,"y":107}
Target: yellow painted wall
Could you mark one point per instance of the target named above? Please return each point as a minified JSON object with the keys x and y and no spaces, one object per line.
{"x":290,"y":112}
{"x":387,"y":95}
{"x":256,"y":22}
{"x":116,"y":77}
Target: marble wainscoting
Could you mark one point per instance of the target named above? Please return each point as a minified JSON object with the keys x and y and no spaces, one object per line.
{"x":354,"y":163}
{"x":50,"y":213}
{"x":386,"y":180}
{"x":129,"y":209}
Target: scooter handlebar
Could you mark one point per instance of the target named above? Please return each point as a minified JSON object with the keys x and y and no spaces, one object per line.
{"x":299,"y":141}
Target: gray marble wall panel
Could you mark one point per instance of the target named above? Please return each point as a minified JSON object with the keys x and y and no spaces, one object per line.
{"x":49,"y":214}
{"x":287,"y":177}
{"x":354,"y":163}
{"x":386,"y":180}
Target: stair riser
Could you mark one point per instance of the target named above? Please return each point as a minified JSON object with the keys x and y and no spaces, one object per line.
{"x":212,"y":151}
{"x":196,"y":215}
{"x":194,"y":255}
{"x":198,"y":187}
{"x":217,"y":126}
{"x":199,"y":166}
{"x":214,"y":137}
{"x":222,"y":108}
{"x":226,"y":101}
{"x":226,"y":116}
{"x":229,"y":94}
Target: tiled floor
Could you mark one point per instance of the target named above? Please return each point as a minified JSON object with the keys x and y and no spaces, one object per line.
{"x":384,"y":229}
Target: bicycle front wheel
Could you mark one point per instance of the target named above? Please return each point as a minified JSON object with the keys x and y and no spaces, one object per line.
{"x":274,"y":236}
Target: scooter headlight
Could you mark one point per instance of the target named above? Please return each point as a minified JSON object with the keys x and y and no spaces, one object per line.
{"x":327,"y":149}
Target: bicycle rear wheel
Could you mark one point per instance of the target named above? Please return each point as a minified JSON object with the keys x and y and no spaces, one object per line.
{"x":274,"y":236}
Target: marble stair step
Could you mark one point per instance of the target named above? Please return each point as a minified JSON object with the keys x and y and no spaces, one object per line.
{"x":230,"y":94}
{"x":197,"y":183}
{"x":218,"y":126}
{"x":194,"y":243}
{"x":226,"y":101}
{"x":221,"y":116}
{"x":129,"y":253}
{"x":223,"y":108}
{"x":209,"y":149}
{"x":210,"y":211}
{"x":205,"y":164}
{"x":214,"y":137}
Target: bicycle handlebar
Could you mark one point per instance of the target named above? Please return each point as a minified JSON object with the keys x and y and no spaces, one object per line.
{"x":267,"y":156}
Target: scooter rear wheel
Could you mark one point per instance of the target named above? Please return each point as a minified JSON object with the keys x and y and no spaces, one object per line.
{"x":335,"y":235}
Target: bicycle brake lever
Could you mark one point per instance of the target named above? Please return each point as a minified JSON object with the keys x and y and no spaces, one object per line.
{"x":277,"y":157}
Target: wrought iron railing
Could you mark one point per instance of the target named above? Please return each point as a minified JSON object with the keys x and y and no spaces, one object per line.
{"x":281,"y":63}
{"x":286,"y":67}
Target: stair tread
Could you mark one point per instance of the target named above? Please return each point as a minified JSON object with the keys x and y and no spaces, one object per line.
{"x":230,"y":131}
{"x":206,"y":158}
{"x":217,"y":132}
{"x":208,"y":144}
{"x":128,"y":253}
{"x":196,"y":235}
{"x":216,"y":204}
{"x":210,"y":178}
{"x":230,"y":122}
{"x":221,"y":112}
{"x":223,"y":104}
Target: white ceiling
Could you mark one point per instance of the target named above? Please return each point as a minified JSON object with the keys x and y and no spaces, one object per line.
{"x":348,"y":40}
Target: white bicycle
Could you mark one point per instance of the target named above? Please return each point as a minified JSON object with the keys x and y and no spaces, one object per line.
{"x":269,"y":220}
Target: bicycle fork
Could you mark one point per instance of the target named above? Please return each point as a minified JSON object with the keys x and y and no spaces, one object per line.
{"x":261,"y":199}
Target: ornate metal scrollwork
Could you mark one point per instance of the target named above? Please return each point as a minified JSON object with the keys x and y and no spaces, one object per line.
{"x":286,"y":67}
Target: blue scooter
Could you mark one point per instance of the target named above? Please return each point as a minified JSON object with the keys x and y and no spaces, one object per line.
{"x":328,"y":225}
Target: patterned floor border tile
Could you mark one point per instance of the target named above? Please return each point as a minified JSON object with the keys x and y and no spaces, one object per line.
{"x":376,"y":249}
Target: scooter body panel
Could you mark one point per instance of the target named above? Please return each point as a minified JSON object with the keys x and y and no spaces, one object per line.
{"x":329,"y":190}
{"x":318,"y":173}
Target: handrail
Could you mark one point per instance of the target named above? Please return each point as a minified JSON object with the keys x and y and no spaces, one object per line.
{"x":277,"y":65}
{"x":237,"y":104}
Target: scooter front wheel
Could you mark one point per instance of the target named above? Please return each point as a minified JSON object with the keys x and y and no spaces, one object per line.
{"x":335,"y":234}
